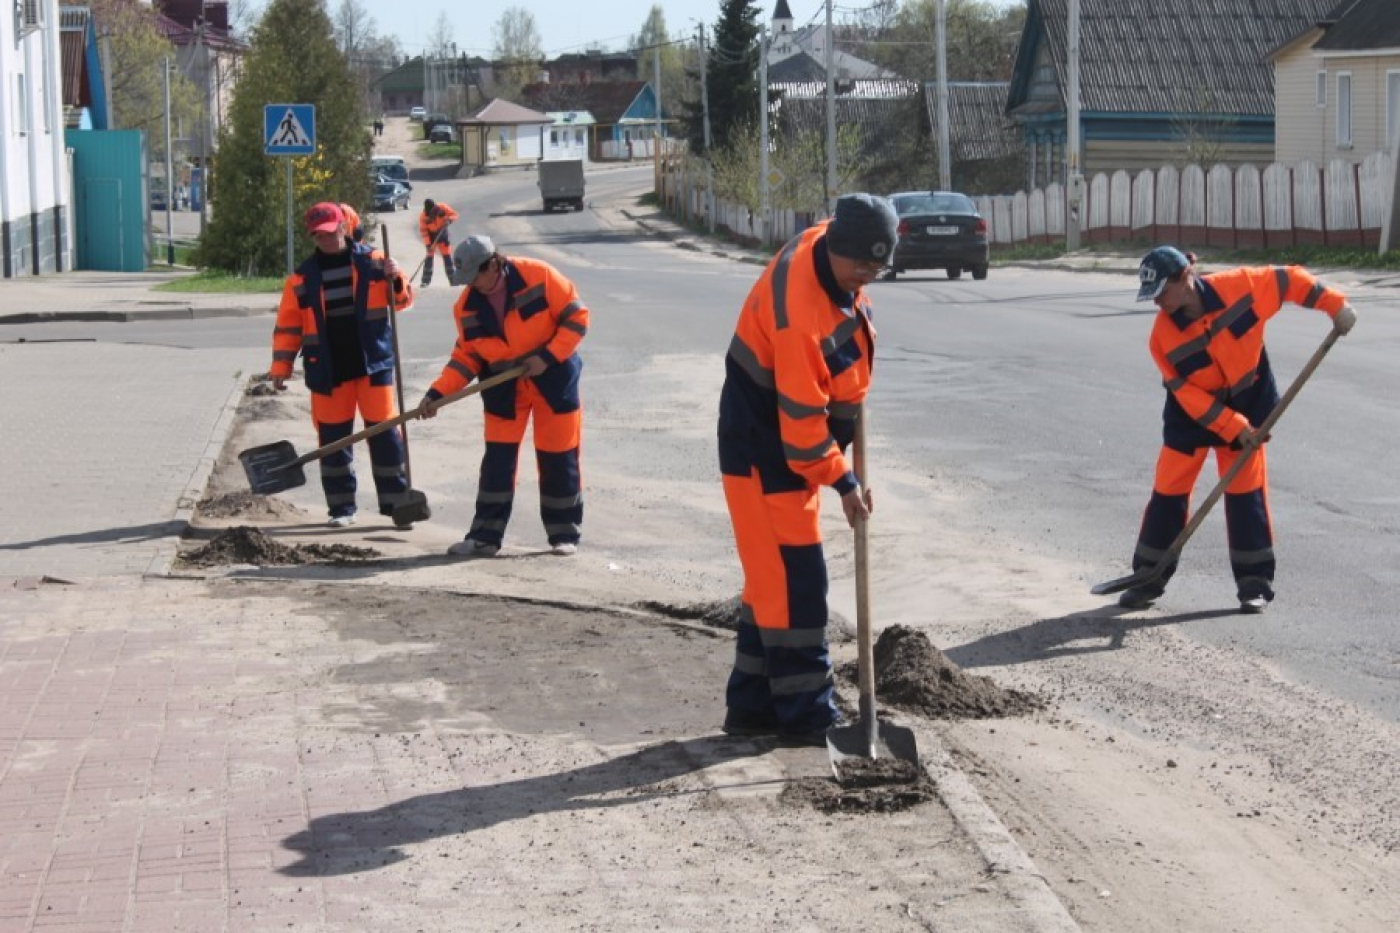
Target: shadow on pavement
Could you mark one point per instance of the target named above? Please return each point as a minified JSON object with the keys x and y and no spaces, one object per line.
{"x":151,"y":532}
{"x":345,"y":843}
{"x":1099,"y":629}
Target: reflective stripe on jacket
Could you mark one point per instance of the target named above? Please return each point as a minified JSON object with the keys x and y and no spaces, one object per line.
{"x":301,"y":319}
{"x":428,"y":227}
{"x":544,"y":316}
{"x":797,"y":370}
{"x":1215,"y":368}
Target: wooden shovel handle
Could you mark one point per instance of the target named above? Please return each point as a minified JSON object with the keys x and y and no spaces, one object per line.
{"x":409,"y":415}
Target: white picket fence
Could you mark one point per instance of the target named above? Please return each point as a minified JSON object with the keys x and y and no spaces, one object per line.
{"x":1340,"y":204}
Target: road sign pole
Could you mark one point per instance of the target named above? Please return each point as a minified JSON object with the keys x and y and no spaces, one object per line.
{"x":289,"y":217}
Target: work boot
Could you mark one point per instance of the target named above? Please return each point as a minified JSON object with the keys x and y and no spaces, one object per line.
{"x":470,"y":547}
{"x":745,"y":724}
{"x":1253,"y":605}
{"x":1140,"y":597}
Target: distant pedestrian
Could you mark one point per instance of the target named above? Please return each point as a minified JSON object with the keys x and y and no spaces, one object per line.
{"x":334,"y":313}
{"x":518,"y":311}
{"x":378,"y":127}
{"x":1208,"y":341}
{"x":433,"y":226}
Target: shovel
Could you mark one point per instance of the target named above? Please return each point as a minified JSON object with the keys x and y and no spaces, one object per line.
{"x":275,"y":467}
{"x":867,"y":738}
{"x":414,"y":505}
{"x":1145,"y":575}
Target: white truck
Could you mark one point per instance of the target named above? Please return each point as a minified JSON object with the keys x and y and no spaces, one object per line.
{"x":561,"y":183}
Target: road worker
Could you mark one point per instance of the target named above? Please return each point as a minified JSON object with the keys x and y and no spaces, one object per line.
{"x":334,"y":312}
{"x":797,"y":371}
{"x":432,"y":228}
{"x":518,"y":311}
{"x":1208,"y":341}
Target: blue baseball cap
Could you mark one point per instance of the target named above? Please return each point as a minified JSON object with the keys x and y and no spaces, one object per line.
{"x":1156,"y":268}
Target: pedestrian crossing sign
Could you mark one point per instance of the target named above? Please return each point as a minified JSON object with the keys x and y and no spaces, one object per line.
{"x":289,"y":129}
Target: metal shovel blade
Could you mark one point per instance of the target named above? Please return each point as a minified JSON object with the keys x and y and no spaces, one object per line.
{"x":871,"y":739}
{"x":272,"y":468}
{"x":413,"y":508}
{"x":1139,"y":577}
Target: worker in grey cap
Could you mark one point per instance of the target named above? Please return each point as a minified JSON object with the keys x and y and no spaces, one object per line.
{"x":519,"y":312}
{"x":796,"y":374}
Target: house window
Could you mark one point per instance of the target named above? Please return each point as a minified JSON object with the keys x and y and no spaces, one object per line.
{"x":554,"y":139}
{"x":1392,"y":108}
{"x":1344,"y":110}
{"x":21,"y":110}
{"x":1321,"y":89}
{"x":578,"y":137}
{"x":505,"y":141}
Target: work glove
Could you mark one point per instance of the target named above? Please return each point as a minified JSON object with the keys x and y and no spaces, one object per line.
{"x":1345,"y":320}
{"x":423,"y":409}
{"x":1249,"y":437}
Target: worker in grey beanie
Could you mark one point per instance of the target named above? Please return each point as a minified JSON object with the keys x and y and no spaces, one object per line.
{"x":863,"y":228}
{"x":796,"y":377}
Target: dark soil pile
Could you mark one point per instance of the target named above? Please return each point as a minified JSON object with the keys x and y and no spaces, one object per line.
{"x":721,"y":613}
{"x":866,"y":785}
{"x":247,"y":505}
{"x":244,"y":545}
{"x":913,"y":675}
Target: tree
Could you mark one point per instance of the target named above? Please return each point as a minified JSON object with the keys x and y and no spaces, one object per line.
{"x":136,"y":81}
{"x":652,"y":44}
{"x":980,"y":39}
{"x":731,"y":77}
{"x":370,"y":55}
{"x":441,"y":42}
{"x":294,"y":59}
{"x":518,"y":51}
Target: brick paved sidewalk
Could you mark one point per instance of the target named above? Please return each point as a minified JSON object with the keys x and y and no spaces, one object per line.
{"x":202,"y":756}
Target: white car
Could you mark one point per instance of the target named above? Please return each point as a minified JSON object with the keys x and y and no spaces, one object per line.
{"x":418,"y":113}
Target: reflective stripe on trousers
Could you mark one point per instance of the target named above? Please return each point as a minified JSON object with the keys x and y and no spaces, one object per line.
{"x":557,"y":438}
{"x":781,"y":663}
{"x":1247,"y":519}
{"x":334,"y":417}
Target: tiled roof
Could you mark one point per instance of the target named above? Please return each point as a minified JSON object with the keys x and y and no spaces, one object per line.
{"x":1363,"y":25}
{"x":503,"y":113}
{"x":977,"y":127}
{"x":1162,"y":56}
{"x":606,"y":100}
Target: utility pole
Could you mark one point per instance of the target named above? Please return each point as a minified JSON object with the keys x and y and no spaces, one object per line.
{"x":765,"y":194}
{"x":830,"y":116}
{"x":1392,"y":213}
{"x":1075,"y":179}
{"x":945,"y":163}
{"x":169,"y":175}
{"x":705,"y":110}
{"x":656,"y":84}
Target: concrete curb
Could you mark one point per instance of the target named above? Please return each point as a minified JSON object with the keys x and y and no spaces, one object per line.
{"x":164,"y":559}
{"x":177,"y":313}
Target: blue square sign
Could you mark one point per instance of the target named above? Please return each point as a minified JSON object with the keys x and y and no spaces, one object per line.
{"x":289,"y":129}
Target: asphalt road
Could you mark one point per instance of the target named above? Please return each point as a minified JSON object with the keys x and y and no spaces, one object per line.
{"x":1029,"y":399}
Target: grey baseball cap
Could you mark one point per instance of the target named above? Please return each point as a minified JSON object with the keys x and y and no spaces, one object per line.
{"x":468,"y":257}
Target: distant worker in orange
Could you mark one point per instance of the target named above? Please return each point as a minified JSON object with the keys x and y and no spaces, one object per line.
{"x":432,"y":228}
{"x":797,"y":371}
{"x":1208,"y":341}
{"x":334,"y":313}
{"x":517,"y":311}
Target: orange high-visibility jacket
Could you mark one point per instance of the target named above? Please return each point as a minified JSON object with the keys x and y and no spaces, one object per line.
{"x":428,"y":227}
{"x":301,"y":318}
{"x":1215,"y":368}
{"x":544,"y":316}
{"x":797,"y":371}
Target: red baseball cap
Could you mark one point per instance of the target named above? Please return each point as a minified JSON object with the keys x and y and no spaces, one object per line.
{"x":324,"y":218}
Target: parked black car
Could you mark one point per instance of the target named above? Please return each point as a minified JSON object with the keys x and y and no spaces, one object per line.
{"x":442,"y":133}
{"x":433,"y":120}
{"x":939,"y":230}
{"x":390,"y":196}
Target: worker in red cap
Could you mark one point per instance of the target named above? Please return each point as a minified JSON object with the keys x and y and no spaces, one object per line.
{"x":335,"y":313}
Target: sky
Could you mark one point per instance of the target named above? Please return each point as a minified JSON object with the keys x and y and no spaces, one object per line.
{"x":574,"y":25}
